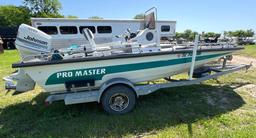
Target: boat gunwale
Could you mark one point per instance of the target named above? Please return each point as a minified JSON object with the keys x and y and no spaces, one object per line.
{"x":65,"y":61}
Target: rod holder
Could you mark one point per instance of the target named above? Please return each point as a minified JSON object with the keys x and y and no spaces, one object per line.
{"x":193,"y":57}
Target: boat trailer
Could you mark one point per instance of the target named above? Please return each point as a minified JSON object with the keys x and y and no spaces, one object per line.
{"x":124,"y":93}
{"x":94,"y":95}
{"x":118,"y":95}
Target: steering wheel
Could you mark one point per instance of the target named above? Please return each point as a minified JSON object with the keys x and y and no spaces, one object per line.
{"x":131,"y":35}
{"x":129,"y":30}
{"x":126,"y":36}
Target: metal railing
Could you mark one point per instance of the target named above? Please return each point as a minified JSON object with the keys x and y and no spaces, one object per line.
{"x":126,"y":49}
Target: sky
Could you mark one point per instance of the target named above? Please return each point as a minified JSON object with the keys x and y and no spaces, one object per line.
{"x":198,"y":15}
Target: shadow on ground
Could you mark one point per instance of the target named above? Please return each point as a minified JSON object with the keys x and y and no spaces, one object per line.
{"x":165,"y":108}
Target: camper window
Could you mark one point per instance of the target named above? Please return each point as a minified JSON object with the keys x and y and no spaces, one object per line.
{"x":92,"y":28}
{"x":165,"y":28}
{"x":68,"y":30}
{"x":104,"y":29}
{"x":51,"y":30}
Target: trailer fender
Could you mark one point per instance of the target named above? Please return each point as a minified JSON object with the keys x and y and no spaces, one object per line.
{"x":115,"y":81}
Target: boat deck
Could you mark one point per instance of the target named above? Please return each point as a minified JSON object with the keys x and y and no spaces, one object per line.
{"x":81,"y":57}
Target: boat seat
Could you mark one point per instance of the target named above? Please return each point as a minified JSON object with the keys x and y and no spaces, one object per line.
{"x":90,"y":38}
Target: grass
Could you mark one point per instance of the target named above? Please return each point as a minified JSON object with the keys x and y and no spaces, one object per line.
{"x":249,"y":51}
{"x":216,"y":108}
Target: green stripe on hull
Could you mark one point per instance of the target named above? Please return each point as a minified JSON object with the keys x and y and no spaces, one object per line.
{"x":98,"y":73}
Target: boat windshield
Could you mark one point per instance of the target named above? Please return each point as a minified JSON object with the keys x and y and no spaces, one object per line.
{"x":150,"y":19}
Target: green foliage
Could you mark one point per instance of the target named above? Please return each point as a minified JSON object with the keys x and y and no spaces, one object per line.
{"x":190,"y":35}
{"x":139,"y":16}
{"x":211,"y":34}
{"x":240,"y":33}
{"x":13,"y":16}
{"x":44,"y":8}
{"x":187,"y":34}
{"x":71,"y":16}
{"x":48,"y":15}
{"x":95,"y":17}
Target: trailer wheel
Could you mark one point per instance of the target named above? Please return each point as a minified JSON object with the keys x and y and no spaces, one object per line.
{"x":118,"y":99}
{"x":201,"y":72}
{"x":229,"y":57}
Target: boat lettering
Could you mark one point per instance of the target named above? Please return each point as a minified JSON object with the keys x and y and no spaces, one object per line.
{"x":80,"y":73}
{"x":36,"y":40}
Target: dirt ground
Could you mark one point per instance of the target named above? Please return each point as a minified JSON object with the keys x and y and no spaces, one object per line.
{"x":251,"y":88}
{"x":243,"y":60}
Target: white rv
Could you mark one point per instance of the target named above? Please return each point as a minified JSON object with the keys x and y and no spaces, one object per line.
{"x":67,"y":32}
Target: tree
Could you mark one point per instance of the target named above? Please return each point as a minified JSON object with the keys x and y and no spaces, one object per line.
{"x":71,"y":16}
{"x":139,"y":16}
{"x":211,"y":34}
{"x":44,"y":8}
{"x":95,"y":17}
{"x":249,"y":33}
{"x":241,"y":33}
{"x":13,"y":16}
{"x":187,"y":34}
{"x":178,"y":35}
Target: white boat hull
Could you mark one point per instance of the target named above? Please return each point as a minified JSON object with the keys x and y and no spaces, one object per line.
{"x":52,"y":78}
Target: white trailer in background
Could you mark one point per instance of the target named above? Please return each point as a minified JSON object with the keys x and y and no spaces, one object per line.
{"x":67,"y":32}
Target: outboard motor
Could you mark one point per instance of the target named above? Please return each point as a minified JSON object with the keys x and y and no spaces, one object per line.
{"x":31,"y":41}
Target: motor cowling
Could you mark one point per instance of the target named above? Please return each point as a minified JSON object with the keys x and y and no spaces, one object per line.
{"x":31,"y":41}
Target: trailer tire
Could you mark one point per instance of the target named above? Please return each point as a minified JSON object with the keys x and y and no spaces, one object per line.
{"x":118,"y":99}
{"x":201,"y":72}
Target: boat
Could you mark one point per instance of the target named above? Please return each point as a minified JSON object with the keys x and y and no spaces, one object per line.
{"x":139,"y":59}
{"x":91,"y":67}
